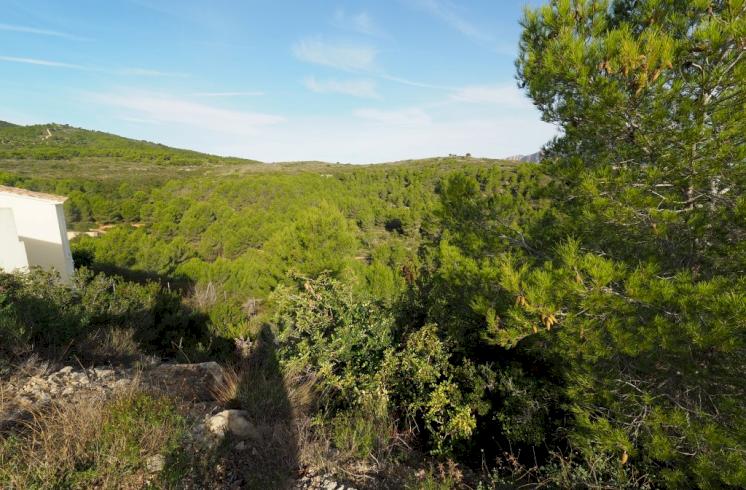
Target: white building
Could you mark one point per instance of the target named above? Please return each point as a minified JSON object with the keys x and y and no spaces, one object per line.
{"x":33,"y":232}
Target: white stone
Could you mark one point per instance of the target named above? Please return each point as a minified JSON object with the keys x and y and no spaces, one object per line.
{"x":155,"y":464}
{"x":232,"y":421}
{"x":104,"y":373}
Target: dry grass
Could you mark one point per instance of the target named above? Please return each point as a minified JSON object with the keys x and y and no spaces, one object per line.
{"x":203,"y":296}
{"x":110,"y":345}
{"x":30,"y":366}
{"x":225,"y":388}
{"x":92,"y":442}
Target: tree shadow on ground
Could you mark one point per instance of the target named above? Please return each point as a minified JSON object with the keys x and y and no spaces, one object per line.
{"x":269,"y":457}
{"x":263,"y":393}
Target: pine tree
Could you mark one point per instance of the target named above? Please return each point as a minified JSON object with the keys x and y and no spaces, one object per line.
{"x":644,"y":308}
{"x":650,"y":97}
{"x":620,"y":282}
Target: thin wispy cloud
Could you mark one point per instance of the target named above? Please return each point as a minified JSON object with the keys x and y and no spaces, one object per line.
{"x":362,"y":88}
{"x":412,"y":83}
{"x":137,"y":72}
{"x":137,"y":120}
{"x":505,"y":95}
{"x":360,"y":22}
{"x":147,"y":72}
{"x":228,"y":94}
{"x":349,"y":57}
{"x":41,"y":62}
{"x":163,"y":108}
{"x":41,"y":32}
{"x":448,"y":13}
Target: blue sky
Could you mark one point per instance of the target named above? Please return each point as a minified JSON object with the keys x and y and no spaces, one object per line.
{"x":347,"y":81}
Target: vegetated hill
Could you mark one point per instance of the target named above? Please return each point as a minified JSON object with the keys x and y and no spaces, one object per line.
{"x":530,"y":158}
{"x":41,"y":157}
{"x":63,"y":142}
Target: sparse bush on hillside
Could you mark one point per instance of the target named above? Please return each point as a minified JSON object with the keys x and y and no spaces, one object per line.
{"x":62,"y":142}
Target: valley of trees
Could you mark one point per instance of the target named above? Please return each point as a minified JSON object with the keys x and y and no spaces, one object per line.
{"x":580,"y":322}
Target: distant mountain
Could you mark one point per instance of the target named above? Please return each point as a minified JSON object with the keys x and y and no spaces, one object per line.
{"x":63,"y":142}
{"x":532,"y":158}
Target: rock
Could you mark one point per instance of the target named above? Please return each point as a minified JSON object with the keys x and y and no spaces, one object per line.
{"x":65,"y":370}
{"x":103,"y":373}
{"x":192,"y":382}
{"x":155,"y":464}
{"x":234,"y":422}
{"x":320,"y":482}
{"x":240,"y":427}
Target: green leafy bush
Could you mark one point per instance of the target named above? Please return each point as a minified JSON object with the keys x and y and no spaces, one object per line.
{"x":40,"y":313}
{"x":367,"y":374}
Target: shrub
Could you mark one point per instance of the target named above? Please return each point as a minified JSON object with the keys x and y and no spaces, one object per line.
{"x":367,"y":377}
{"x":40,"y":313}
{"x":322,"y":327}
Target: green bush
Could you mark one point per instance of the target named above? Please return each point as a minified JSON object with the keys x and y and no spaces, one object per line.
{"x":322,"y":327}
{"x":367,"y":375}
{"x":40,"y":313}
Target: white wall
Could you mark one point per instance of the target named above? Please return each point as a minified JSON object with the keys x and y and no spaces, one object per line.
{"x":41,"y":227}
{"x":12,"y":250}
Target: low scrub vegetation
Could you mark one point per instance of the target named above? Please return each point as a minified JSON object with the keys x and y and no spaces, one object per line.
{"x":131,"y":441}
{"x":100,"y":318}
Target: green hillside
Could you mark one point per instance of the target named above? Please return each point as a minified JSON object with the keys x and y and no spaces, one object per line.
{"x":63,"y":142}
